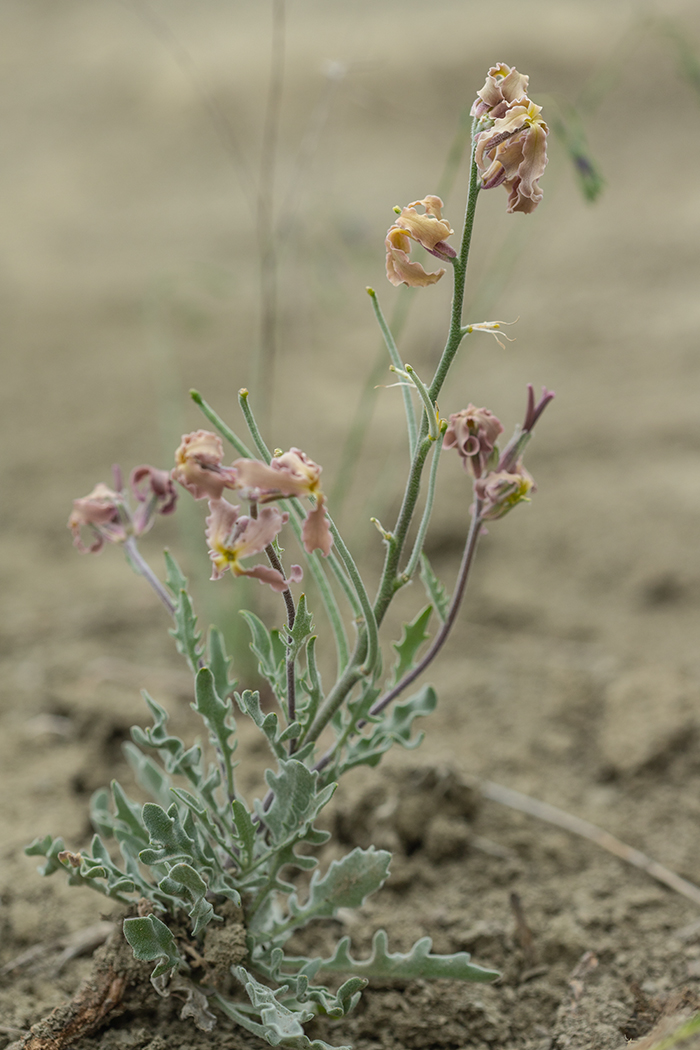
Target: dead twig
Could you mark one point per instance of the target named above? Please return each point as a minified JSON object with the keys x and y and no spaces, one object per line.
{"x":100,"y":996}
{"x":552,"y":815}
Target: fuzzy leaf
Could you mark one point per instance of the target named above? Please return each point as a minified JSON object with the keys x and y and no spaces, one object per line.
{"x":395,"y":728}
{"x":296,"y":803}
{"x":220,"y":663}
{"x":414,"y":634}
{"x":434,"y":588}
{"x":416,"y":964}
{"x":346,"y":884}
{"x":246,"y":830}
{"x":217,"y":715}
{"x":167,"y":834}
{"x":187,"y":638}
{"x":269,"y":651}
{"x":151,"y":939}
{"x":147,"y":773}
{"x":268,"y":724}
{"x":174,"y":756}
{"x":303,"y":627}
{"x":184,"y":882}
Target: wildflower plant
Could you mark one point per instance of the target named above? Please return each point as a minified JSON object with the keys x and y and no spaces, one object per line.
{"x":204,"y":872}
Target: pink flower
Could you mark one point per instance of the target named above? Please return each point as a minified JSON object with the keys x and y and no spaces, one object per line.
{"x":155,"y":493}
{"x":503,"y":85}
{"x":104,"y":513}
{"x":513,"y":152}
{"x":428,"y":229}
{"x":291,"y":474}
{"x":232,"y":536}
{"x":473,"y":432}
{"x":198,"y":466}
{"x":502,"y":490}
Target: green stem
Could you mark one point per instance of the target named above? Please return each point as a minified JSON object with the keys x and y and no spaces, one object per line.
{"x":430,"y":408}
{"x":363,"y":597}
{"x":398,"y":364}
{"x":347,"y":681}
{"x":218,"y":422}
{"x":427,"y":511}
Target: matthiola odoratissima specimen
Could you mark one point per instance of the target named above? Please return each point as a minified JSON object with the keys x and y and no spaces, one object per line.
{"x":202,"y":859}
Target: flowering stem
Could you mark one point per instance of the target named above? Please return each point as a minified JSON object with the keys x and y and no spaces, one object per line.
{"x":141,"y":566}
{"x":460,"y":274}
{"x":398,"y":364}
{"x":390,"y":581}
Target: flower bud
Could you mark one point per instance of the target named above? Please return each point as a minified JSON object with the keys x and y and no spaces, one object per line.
{"x":502,"y":490}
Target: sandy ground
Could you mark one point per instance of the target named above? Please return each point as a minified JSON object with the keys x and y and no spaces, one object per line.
{"x":129,"y":273}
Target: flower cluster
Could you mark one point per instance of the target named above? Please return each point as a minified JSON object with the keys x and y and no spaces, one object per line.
{"x":512,"y":148}
{"x":428,"y":229}
{"x":500,"y":479}
{"x":106,"y":514}
{"x":231,"y":535}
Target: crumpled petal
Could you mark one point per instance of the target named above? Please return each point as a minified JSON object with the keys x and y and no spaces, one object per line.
{"x":399,"y":267}
{"x":101,"y":511}
{"x":265,"y":574}
{"x":316,"y":532}
{"x":428,"y":229}
{"x":198,"y":466}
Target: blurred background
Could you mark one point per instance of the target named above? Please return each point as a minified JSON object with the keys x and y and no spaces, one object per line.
{"x":136,"y":140}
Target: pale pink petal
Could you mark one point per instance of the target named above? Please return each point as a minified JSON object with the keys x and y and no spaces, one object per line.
{"x":296,"y":574}
{"x":400,"y":269}
{"x":316,"y":532}
{"x":198,"y":466}
{"x":252,"y":474}
{"x":259,"y":532}
{"x":265,"y":574}
{"x":221,"y":522}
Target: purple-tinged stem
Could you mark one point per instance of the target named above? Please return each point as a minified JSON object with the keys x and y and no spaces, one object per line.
{"x":440,"y":637}
{"x":144,"y":569}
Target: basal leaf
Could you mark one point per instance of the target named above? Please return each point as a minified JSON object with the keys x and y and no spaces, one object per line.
{"x":413,"y":965}
{"x":151,"y":939}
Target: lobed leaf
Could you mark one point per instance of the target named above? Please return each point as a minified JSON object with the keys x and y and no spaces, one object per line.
{"x":419,"y":963}
{"x":346,"y":884}
{"x":187,"y":638}
{"x":414,"y":634}
{"x":434,"y":588}
{"x":151,"y":939}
